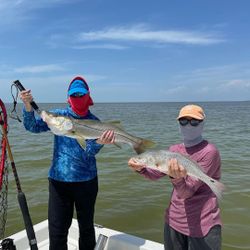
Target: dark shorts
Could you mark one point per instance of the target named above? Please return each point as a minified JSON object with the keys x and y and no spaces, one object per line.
{"x":173,"y":240}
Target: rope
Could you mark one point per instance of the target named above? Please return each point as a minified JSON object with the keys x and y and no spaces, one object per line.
{"x":13,"y":113}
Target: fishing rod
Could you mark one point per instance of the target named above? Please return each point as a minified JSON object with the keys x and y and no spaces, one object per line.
{"x":20,"y":195}
{"x":3,"y":174}
{"x":18,"y":84}
{"x":3,"y":142}
{"x":19,"y":87}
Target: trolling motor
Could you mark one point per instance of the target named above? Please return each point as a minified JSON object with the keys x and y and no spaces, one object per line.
{"x":8,"y":244}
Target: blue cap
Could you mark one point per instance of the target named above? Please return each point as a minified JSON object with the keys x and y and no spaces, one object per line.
{"x":78,"y":86}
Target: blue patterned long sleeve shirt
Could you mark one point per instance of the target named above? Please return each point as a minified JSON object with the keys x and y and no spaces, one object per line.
{"x":70,"y":163}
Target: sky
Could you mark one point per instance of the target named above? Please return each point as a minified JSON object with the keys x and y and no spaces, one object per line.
{"x":128,"y":51}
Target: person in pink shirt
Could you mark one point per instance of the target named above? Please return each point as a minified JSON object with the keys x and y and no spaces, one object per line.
{"x":192,"y":219}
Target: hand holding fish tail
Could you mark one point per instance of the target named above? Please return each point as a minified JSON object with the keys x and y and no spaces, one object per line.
{"x":107,"y":137}
{"x":175,"y":170}
{"x":135,"y":165}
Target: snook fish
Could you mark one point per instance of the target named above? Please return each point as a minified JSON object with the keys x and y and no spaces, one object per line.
{"x":157,"y":160}
{"x":92,"y":129}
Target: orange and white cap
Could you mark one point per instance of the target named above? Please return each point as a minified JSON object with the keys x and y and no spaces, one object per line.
{"x":193,"y":111}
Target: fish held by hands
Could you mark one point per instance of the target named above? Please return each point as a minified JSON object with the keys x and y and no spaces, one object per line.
{"x":159,"y":160}
{"x":93,"y":129}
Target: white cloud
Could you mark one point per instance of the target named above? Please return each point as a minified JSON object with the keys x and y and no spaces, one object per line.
{"x":17,"y":11}
{"x":47,"y":88}
{"x":140,"y":33}
{"x":226,"y":82}
{"x":237,"y":83}
{"x":100,"y":46}
{"x":120,"y":38}
{"x":39,"y":69}
{"x":7,"y":5}
{"x":175,"y":90}
{"x":214,"y":76}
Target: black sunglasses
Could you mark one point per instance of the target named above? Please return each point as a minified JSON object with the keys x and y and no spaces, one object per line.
{"x":192,"y":122}
{"x":77,"y":94}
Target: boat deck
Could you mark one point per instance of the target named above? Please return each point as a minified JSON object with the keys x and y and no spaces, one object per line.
{"x":115,"y":240}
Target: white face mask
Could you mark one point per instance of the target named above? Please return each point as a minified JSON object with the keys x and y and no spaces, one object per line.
{"x":192,"y":135}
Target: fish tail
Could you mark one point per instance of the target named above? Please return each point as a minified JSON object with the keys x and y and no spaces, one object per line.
{"x":143,"y":145}
{"x":217,"y":187}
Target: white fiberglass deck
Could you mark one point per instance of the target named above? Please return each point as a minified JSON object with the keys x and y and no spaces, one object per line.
{"x":116,"y":240}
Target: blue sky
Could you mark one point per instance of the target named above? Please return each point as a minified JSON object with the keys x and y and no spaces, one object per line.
{"x":133,"y":50}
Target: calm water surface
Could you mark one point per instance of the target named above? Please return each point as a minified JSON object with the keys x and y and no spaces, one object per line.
{"x":126,"y":201}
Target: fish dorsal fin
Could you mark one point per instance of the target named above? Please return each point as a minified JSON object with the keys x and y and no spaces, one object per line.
{"x":90,"y":122}
{"x":117,"y":145}
{"x":86,"y":121}
{"x":116,"y":123}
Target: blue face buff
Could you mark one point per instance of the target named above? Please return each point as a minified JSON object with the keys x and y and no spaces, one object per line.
{"x":192,"y":135}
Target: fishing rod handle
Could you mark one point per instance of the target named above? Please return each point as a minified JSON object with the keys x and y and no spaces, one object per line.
{"x":21,"y":88}
{"x":27,"y":220}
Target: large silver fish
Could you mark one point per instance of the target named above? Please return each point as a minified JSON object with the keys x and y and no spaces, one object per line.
{"x":157,"y":160}
{"x":92,"y":129}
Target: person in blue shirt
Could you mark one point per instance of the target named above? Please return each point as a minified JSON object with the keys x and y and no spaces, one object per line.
{"x":72,"y":176}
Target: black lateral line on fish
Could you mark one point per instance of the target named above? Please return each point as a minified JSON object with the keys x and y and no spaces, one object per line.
{"x":101,"y":130}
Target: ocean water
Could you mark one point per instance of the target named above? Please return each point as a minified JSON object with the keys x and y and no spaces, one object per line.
{"x":126,"y":201}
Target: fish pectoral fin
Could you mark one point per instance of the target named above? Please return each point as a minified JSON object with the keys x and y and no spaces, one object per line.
{"x":113,"y":122}
{"x":82,"y":143}
{"x":77,"y":135}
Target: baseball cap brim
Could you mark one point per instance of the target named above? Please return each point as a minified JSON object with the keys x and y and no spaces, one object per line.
{"x":77,"y":90}
{"x":191,"y":115}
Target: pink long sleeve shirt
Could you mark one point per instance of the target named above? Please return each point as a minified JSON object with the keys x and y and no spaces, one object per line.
{"x":193,"y":208}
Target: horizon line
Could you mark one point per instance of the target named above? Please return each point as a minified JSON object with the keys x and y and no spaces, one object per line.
{"x":143,"y":102}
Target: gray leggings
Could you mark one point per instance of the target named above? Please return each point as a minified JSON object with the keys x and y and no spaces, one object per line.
{"x":173,"y":240}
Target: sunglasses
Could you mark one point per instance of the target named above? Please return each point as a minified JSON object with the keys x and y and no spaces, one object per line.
{"x":77,"y":95}
{"x":193,"y":122}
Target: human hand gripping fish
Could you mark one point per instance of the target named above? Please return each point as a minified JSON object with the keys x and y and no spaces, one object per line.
{"x":93,"y":129}
{"x":174,"y":170}
{"x":175,"y":165}
{"x":105,"y":133}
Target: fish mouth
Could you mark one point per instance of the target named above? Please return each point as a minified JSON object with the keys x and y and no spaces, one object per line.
{"x":57,"y":123}
{"x":44,"y":116}
{"x":48,"y":118}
